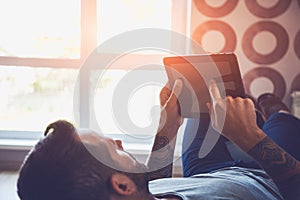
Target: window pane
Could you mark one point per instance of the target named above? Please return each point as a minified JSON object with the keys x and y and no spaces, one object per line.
{"x":31,"y":98}
{"x":139,"y":105}
{"x":118,"y":16}
{"x":43,"y":29}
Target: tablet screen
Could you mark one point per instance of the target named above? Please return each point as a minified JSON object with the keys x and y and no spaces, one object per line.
{"x":196,"y":71}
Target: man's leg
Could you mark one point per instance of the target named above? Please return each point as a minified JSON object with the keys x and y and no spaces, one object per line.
{"x":217,"y":158}
{"x":284,"y":129}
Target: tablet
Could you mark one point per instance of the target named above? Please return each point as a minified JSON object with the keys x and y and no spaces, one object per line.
{"x":196,"y":71}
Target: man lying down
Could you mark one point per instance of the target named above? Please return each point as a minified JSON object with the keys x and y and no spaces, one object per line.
{"x":70,"y":165}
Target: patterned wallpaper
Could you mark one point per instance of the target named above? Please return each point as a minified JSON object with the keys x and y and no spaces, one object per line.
{"x":264,"y":34}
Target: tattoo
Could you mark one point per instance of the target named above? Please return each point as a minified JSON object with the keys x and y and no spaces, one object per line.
{"x":164,"y":172}
{"x":161,"y":159}
{"x":160,"y":142}
{"x":276,"y":162}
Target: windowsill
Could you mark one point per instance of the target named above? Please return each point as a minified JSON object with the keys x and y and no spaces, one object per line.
{"x":28,"y":144}
{"x":17,"y":144}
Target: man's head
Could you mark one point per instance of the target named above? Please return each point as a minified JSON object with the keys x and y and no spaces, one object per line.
{"x":67,"y":165}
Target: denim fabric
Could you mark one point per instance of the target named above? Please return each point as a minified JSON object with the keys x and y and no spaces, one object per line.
{"x":217,"y":158}
{"x":284,"y":129}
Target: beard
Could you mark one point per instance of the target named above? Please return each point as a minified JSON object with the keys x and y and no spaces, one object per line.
{"x":139,"y":174}
{"x":140,"y":177}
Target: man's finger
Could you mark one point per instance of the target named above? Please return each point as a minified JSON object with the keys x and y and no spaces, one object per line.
{"x":214,"y":91}
{"x":210,"y":109}
{"x":176,"y":90}
{"x":165,"y":94}
{"x":177,"y":87}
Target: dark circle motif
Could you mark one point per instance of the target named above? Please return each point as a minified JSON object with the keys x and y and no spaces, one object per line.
{"x":223,"y":28}
{"x":280,"y":7}
{"x":296,"y":84}
{"x":297,"y":44}
{"x":274,"y":76}
{"x":282,"y":42}
{"x":211,"y":11}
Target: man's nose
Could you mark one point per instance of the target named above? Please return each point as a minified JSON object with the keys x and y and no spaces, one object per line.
{"x":119,"y":144}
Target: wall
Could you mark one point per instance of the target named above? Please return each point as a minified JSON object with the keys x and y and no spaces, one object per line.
{"x":264,"y":34}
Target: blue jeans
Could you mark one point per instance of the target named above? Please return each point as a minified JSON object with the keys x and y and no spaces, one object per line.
{"x":284,"y":129}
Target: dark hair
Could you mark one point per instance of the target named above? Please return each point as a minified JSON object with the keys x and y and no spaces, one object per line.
{"x":60,"y":167}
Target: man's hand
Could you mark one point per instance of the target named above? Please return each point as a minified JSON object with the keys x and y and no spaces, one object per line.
{"x":160,"y":161}
{"x":170,"y":118}
{"x":235,"y":118}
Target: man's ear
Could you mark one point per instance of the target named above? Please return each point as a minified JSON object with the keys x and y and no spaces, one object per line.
{"x":122,"y":184}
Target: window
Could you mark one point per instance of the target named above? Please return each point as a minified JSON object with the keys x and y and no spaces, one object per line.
{"x":31,"y":97}
{"x":40,"y":29}
{"x":118,"y":16}
{"x":43,"y":46}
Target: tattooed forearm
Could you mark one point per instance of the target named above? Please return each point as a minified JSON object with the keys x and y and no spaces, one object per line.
{"x":276,"y":162}
{"x":160,"y":142}
{"x":160,"y":162}
{"x":164,"y":172}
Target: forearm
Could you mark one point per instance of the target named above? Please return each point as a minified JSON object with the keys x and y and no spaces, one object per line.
{"x":283,"y":168}
{"x":275,"y":161}
{"x":160,"y":161}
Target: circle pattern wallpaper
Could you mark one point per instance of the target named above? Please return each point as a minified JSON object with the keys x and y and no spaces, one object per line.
{"x":265,"y":36}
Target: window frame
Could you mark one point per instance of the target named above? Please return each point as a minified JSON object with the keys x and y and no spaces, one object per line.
{"x":12,"y":140}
